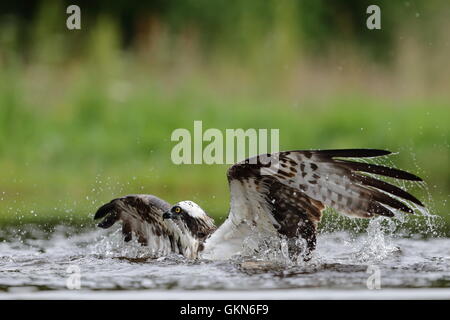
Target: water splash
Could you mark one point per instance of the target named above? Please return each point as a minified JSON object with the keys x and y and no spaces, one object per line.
{"x":39,"y":260}
{"x":377,"y":244}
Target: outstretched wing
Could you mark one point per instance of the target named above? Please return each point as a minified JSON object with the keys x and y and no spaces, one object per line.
{"x":141,"y":215}
{"x":285,"y":193}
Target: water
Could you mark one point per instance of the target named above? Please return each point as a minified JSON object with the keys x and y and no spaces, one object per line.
{"x":38,"y":264}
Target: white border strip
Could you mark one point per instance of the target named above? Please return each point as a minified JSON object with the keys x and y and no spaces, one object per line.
{"x":292,"y":294}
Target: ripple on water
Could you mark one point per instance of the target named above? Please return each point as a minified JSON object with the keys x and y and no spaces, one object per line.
{"x":341,"y":261}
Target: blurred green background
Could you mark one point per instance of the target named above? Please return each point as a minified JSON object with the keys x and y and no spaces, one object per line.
{"x":86,"y":115}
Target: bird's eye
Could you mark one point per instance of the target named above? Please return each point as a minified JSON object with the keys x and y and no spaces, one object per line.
{"x":177,"y":210}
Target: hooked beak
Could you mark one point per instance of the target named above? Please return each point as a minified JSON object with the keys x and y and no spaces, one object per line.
{"x":167,"y":215}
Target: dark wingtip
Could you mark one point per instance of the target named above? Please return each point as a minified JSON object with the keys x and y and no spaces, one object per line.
{"x":104,"y":210}
{"x":369,"y":153}
{"x":387,"y":187}
{"x":354,"y":153}
{"x":108,"y":221}
{"x":404,"y":175}
{"x":380,"y":170}
{"x":417,"y":201}
{"x":414,"y":177}
{"x":376,"y":208}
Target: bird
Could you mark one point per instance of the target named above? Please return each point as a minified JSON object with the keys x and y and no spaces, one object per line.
{"x":279,"y":195}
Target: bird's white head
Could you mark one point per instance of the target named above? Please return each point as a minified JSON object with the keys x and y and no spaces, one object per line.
{"x":188,"y":208}
{"x":188,"y":214}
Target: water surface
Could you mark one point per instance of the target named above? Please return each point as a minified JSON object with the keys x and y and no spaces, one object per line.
{"x":38,"y":264}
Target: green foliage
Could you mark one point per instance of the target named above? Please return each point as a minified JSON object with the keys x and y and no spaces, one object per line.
{"x":83,"y":120}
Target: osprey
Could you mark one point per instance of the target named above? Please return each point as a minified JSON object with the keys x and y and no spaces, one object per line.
{"x":284,"y":200}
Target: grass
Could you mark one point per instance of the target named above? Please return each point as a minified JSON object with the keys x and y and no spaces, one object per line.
{"x":74,"y":160}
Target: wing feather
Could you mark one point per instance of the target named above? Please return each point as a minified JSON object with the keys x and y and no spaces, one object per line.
{"x":141,"y":216}
{"x":287,"y":194}
{"x":377,"y":169}
{"x":387,"y":187}
{"x":351,"y":153}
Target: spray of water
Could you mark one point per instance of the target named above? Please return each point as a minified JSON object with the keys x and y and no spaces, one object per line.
{"x":378,"y":233}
